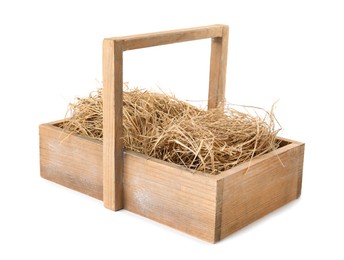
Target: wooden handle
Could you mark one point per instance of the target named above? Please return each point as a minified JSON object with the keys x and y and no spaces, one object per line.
{"x":167,"y":37}
{"x":113,"y":49}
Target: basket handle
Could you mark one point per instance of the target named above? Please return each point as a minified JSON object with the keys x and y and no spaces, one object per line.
{"x":113,"y":49}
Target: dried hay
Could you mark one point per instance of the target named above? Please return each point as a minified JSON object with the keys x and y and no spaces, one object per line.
{"x":166,"y":128}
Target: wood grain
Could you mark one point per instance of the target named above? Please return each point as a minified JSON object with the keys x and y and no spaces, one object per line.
{"x":170,"y":195}
{"x":71,"y":161}
{"x":206,"y":206}
{"x":112,"y":124}
{"x":218,"y":69}
{"x":168,"y":37}
{"x":218,"y":210}
{"x":267,"y":185}
{"x":300,"y":158}
{"x":164,"y":192}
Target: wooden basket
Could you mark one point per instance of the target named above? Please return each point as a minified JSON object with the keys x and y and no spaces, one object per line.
{"x":209,"y":207}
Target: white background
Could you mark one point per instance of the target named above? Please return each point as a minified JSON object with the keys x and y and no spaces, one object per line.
{"x":50,"y":52}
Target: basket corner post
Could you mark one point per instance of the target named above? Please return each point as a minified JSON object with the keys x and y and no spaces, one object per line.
{"x":300,"y":170}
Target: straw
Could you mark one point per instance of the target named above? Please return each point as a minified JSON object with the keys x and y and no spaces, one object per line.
{"x":163,"y":127}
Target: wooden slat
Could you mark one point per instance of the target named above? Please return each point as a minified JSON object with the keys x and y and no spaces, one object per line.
{"x":218,"y":68}
{"x":170,"y":195}
{"x":218,"y":210}
{"x":71,"y":161}
{"x":112,"y":124}
{"x":167,"y":37}
{"x":266,"y":186}
{"x":300,"y":170}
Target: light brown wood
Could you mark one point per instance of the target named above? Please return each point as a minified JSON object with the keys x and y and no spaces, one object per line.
{"x":218,"y":210}
{"x":170,"y":195}
{"x":168,"y":37}
{"x":300,"y":159}
{"x":71,"y":161}
{"x":206,"y":206}
{"x":218,"y":69}
{"x":267,"y":185}
{"x":112,"y":124}
{"x":158,"y":190}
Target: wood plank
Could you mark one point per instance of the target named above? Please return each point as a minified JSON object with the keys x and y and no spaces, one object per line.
{"x":300,"y":170}
{"x":112,"y":124}
{"x":168,"y":37}
{"x":218,"y":211}
{"x":218,"y":70}
{"x":71,"y":161}
{"x":172,"y":196}
{"x":266,"y":186}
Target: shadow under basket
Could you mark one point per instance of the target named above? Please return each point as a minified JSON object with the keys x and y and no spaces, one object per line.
{"x":209,"y":207}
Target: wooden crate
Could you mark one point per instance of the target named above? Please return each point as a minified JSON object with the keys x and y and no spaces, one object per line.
{"x":209,"y":207}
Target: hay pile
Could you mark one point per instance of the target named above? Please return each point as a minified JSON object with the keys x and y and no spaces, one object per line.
{"x":163,"y":127}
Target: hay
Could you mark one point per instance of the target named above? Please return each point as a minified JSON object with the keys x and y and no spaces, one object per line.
{"x":163,"y":127}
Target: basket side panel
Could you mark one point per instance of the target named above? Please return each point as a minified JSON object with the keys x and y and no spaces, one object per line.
{"x":170,"y":195}
{"x":71,"y":161}
{"x":267,"y":185}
